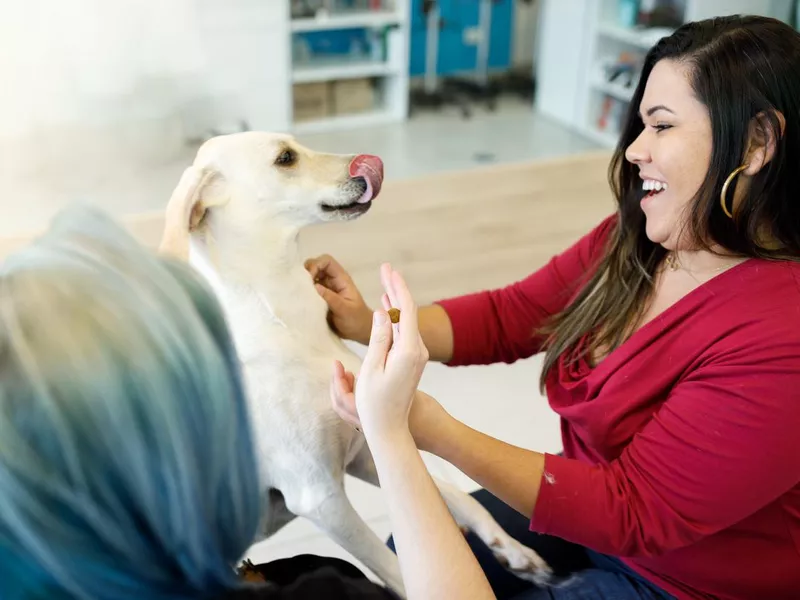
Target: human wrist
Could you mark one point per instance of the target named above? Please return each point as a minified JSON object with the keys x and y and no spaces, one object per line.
{"x":437,"y":438}
{"x":384,"y":441}
{"x":363,"y":329}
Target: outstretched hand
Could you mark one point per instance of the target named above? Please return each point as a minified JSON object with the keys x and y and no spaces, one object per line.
{"x":391,"y":370}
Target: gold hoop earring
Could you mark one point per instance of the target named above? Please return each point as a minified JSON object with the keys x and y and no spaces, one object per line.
{"x":725,"y":187}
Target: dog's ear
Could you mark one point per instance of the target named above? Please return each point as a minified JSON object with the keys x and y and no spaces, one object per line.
{"x":187,"y":207}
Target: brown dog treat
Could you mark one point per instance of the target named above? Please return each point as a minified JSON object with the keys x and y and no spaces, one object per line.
{"x":394,"y":315}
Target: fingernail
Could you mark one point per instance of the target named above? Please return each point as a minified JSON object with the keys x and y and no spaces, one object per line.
{"x":380,"y":318}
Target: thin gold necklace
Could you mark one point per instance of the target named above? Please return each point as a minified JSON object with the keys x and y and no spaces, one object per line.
{"x":673,"y":265}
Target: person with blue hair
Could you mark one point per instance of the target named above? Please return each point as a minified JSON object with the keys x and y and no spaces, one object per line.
{"x":127,"y":466}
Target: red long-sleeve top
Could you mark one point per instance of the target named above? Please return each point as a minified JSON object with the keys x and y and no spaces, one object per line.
{"x":680,"y":447}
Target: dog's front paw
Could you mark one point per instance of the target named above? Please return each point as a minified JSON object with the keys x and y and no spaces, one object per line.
{"x":521,"y":560}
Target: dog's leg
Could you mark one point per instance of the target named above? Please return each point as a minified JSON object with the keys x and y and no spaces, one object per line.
{"x":519,"y":559}
{"x":470,"y":514}
{"x":363,"y":467}
{"x":274,"y":517}
{"x":275,"y":514}
{"x":331,"y":511}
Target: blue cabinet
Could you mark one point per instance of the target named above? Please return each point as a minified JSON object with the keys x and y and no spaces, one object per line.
{"x":455,"y":56}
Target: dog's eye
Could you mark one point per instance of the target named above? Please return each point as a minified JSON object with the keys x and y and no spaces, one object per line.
{"x":286,"y":158}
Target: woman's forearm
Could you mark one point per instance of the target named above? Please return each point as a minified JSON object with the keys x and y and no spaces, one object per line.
{"x":435,"y":559}
{"x":511,"y":473}
{"x":437,"y":332}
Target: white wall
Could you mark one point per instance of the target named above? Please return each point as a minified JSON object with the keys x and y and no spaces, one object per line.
{"x":101,"y":99}
{"x":79,"y":70}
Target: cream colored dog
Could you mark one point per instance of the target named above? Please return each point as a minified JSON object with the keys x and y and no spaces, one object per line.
{"x":236,"y":215}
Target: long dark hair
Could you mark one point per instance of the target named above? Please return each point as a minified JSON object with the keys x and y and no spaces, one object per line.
{"x":745,"y":69}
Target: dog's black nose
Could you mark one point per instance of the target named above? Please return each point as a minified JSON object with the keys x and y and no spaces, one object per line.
{"x":359,"y":183}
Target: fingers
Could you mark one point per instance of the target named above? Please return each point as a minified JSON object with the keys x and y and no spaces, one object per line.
{"x":342,"y":396}
{"x":351,"y":381}
{"x":325,"y":269}
{"x":380,"y":341}
{"x":317,"y":265}
{"x":387,"y":304}
{"x":343,"y":380}
{"x":409,"y":325}
{"x":388,"y":286}
{"x":332,"y":299}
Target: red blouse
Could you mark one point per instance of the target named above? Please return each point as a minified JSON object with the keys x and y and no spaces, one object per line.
{"x":679,"y":447}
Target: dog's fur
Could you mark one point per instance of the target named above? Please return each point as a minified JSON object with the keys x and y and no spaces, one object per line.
{"x":240,"y":208}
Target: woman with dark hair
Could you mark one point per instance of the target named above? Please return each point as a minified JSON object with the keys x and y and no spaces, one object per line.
{"x":671,"y":341}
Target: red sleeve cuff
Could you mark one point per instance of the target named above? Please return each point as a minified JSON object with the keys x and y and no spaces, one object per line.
{"x":462,"y":312}
{"x":566,"y":506}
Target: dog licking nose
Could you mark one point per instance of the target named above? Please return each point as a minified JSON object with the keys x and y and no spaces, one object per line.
{"x":370,"y":168}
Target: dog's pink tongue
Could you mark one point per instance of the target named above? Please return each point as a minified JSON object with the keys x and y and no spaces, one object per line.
{"x":371,"y":169}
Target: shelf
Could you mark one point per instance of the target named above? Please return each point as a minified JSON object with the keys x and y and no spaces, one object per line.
{"x":615,"y":90}
{"x":329,"y":71}
{"x":388,"y":69}
{"x":638,"y":37}
{"x":377,"y":117}
{"x":354,"y":20}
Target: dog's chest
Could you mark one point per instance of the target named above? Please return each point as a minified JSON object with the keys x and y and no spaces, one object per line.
{"x":287,"y":351}
{"x":290,"y":407}
{"x":286,"y":328}
{"x":288,"y":362}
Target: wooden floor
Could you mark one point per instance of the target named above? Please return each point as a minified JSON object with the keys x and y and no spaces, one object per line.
{"x":456,"y":232}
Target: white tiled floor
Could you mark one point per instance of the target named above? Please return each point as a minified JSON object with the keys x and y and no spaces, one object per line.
{"x":444,"y":142}
{"x":501,"y":400}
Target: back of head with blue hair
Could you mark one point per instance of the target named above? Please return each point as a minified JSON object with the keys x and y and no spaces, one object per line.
{"x":126,"y":461}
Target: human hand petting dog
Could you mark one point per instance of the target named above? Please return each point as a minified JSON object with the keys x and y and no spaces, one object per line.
{"x":350,"y":316}
{"x":390,"y":373}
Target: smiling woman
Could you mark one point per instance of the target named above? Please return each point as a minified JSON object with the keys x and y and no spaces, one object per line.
{"x":702,"y":121}
{"x":672,"y":352}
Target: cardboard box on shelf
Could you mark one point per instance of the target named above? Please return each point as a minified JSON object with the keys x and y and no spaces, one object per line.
{"x":312,"y":101}
{"x":351,"y":96}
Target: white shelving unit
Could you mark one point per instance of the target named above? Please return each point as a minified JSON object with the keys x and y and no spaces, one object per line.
{"x":642,"y":39}
{"x":390,"y":75}
{"x":571,"y":85}
{"x":339,"y":70}
{"x":347,"y":21}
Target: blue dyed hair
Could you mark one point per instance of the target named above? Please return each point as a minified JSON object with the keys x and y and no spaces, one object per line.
{"x":127,"y":467}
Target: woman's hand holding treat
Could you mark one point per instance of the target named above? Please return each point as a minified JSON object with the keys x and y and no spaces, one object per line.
{"x":391,"y":370}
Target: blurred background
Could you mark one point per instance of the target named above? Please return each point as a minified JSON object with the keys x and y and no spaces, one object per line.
{"x":106,"y":101}
{"x":495,"y":120}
